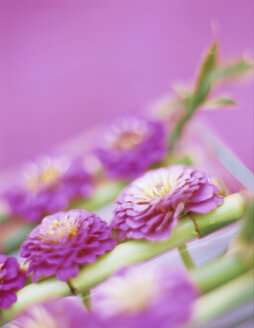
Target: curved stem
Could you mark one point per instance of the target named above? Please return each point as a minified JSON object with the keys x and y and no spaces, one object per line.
{"x":186,"y":257}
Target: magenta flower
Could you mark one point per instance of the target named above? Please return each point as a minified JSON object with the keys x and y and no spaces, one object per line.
{"x":48,"y":186}
{"x":139,"y":297}
{"x":64,"y":241}
{"x":130,"y":146}
{"x":58,"y":313}
{"x":12,"y":278}
{"x":150,"y":206}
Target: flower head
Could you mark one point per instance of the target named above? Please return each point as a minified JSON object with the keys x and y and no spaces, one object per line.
{"x":57,"y":313}
{"x":150,"y":206}
{"x":64,"y":241}
{"x":130,"y":146}
{"x":12,"y":278}
{"x":48,"y":186}
{"x":139,"y":297}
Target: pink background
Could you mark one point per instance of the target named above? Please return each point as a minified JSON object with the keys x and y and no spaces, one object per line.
{"x":66,"y":65}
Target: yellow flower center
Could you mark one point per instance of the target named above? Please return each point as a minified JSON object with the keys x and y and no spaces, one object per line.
{"x":127,"y":141}
{"x":127,"y":136}
{"x":44,"y":179}
{"x":130,"y":293}
{"x":158,"y":186}
{"x":59,"y":229}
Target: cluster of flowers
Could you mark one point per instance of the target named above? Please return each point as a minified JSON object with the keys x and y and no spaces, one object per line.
{"x":133,"y":297}
{"x":148,"y":208}
{"x":48,"y":185}
{"x":126,"y":150}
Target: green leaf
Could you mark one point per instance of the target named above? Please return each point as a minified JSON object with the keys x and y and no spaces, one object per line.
{"x":205,"y":78}
{"x":218,"y":103}
{"x":234,"y":70}
{"x":203,"y":87}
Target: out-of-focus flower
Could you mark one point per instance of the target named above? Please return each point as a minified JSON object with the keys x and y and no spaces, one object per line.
{"x":58,"y":313}
{"x":150,"y":206}
{"x":64,"y":241}
{"x":139,"y":297}
{"x":130,"y":146}
{"x":48,"y":186}
{"x":12,"y":278}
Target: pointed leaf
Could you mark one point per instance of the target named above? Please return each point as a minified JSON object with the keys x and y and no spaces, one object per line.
{"x":199,"y":95}
{"x":205,"y":78}
{"x":218,"y":103}
{"x":234,"y":70}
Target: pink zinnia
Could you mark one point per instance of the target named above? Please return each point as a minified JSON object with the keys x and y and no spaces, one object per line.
{"x":12,"y":278}
{"x":66,"y":312}
{"x":47,"y":186}
{"x":64,"y":241}
{"x":150,"y":206}
{"x":130,"y":146}
{"x":145,"y":297}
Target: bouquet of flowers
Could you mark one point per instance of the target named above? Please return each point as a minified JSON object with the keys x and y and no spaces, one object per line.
{"x":71,"y":258}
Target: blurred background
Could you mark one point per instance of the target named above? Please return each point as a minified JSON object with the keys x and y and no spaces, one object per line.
{"x":67,"y":65}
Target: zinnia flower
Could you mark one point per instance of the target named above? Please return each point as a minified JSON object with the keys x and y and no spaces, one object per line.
{"x":64,"y":241}
{"x":139,"y":297}
{"x":130,"y":146}
{"x":150,"y":206}
{"x":12,"y":278}
{"x":48,"y":186}
{"x":66,"y":312}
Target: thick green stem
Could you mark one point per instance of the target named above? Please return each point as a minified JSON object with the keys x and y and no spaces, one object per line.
{"x":231,"y":295}
{"x":130,"y":252}
{"x":217,"y":272}
{"x":105,"y":194}
{"x":185,"y":256}
{"x":247,"y":231}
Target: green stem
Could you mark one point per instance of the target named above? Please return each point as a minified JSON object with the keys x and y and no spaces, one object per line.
{"x":131,"y":252}
{"x":198,"y":96}
{"x":217,"y":272}
{"x":86,"y":299}
{"x":4,"y":218}
{"x":233,"y":207}
{"x":104,"y":194}
{"x":231,"y":295}
{"x":186,"y":257}
{"x":247,"y":231}
{"x":12,"y":244}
